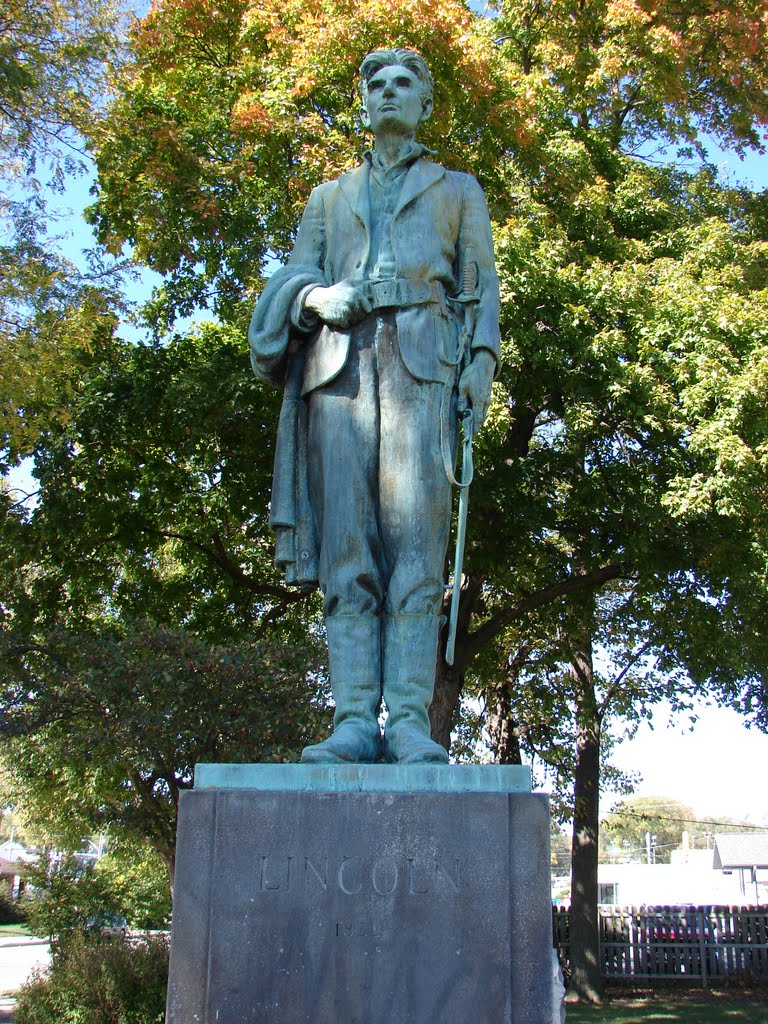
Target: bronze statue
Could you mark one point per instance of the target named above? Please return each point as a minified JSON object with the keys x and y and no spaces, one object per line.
{"x":365,"y":328}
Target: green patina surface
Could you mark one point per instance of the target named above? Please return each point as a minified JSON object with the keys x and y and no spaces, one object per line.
{"x":362,"y":778}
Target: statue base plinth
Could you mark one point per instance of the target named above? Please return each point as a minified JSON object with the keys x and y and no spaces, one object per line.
{"x":325,"y":895}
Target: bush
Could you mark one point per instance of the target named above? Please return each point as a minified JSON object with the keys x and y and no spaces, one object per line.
{"x":139,"y":880}
{"x":99,"y":981}
{"x":130,"y":882}
{"x":64,"y":898}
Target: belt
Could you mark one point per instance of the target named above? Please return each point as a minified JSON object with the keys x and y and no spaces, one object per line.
{"x":398,"y":292}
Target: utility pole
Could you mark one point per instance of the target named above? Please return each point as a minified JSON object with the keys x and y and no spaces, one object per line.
{"x":650,"y":847}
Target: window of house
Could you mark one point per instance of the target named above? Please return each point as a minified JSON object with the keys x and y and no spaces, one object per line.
{"x":608,"y":892}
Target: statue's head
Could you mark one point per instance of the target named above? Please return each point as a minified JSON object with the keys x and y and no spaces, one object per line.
{"x":384,"y":61}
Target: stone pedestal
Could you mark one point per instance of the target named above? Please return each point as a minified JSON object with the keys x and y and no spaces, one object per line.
{"x":361,"y":895}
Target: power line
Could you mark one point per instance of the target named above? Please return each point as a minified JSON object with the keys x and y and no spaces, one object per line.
{"x":739,"y":826}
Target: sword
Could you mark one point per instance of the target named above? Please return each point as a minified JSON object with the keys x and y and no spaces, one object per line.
{"x":467,"y":420}
{"x":469,"y":298}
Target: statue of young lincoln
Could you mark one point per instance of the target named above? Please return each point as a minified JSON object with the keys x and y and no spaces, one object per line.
{"x":362,"y":329}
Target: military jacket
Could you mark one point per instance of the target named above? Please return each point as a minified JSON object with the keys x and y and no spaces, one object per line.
{"x":438,"y":216}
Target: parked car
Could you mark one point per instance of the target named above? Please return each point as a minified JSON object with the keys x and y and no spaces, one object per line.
{"x":108,"y":924}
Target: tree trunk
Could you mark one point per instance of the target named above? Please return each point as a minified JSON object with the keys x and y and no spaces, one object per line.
{"x":449,"y":679}
{"x":586,"y":979}
{"x":449,"y":683}
{"x":503,"y":729}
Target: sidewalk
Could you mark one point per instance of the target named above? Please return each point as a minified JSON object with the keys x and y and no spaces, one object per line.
{"x":20,"y":957}
{"x":21,"y":940}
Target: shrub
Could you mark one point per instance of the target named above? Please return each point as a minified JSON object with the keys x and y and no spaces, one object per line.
{"x":99,"y":981}
{"x":64,"y":898}
{"x":139,"y":880}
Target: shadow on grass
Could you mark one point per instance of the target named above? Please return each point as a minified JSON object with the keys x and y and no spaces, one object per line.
{"x":714,"y":1008}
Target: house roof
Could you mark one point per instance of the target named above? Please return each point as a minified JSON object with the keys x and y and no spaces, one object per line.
{"x":15,"y":851}
{"x":741,"y":850}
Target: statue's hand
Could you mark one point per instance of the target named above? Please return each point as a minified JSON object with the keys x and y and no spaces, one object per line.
{"x":475,"y":385}
{"x":341,"y":305}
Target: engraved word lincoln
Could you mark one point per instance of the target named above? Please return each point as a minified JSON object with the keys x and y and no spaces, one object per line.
{"x":382,"y":328}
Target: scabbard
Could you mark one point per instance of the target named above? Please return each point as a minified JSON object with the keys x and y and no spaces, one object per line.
{"x":461,"y":534}
{"x":467,"y":471}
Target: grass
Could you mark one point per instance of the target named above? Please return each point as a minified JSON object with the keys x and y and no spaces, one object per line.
{"x":14,"y":929}
{"x":688,"y":1008}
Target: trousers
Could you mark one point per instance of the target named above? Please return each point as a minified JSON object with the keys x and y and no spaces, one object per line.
{"x":380,"y":497}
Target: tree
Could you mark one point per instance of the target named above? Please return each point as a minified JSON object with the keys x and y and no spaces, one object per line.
{"x":560,"y":850}
{"x":598,"y":415}
{"x":243,"y":109}
{"x":116,"y":718}
{"x":53,"y":62}
{"x":140,"y":877}
{"x":113,"y":534}
{"x":153,"y":498}
{"x":11,"y":825}
{"x":611,"y":77}
{"x":659,"y":825}
{"x":52,"y":320}
{"x":68,"y":895}
{"x":630,"y":822}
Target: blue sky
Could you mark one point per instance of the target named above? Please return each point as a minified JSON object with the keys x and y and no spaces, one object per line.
{"x":751,"y":170}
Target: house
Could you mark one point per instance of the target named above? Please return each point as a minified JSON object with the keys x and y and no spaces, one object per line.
{"x":667,"y":884}
{"x":11,"y":851}
{"x":746,"y":857}
{"x":12,"y":856}
{"x":735,"y":872}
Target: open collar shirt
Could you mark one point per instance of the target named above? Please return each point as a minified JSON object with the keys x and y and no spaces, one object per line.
{"x":385,"y":184}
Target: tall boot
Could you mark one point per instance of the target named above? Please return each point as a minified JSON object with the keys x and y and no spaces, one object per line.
{"x":354,"y":657}
{"x":410,"y":659}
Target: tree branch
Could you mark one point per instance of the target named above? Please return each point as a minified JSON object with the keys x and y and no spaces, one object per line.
{"x":530,"y":602}
{"x":218,"y":554}
{"x":622,"y":675}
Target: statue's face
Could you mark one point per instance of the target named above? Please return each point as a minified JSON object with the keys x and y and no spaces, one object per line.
{"x":394,"y":101}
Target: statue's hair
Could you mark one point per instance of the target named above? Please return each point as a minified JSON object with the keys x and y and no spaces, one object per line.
{"x":379,"y":59}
